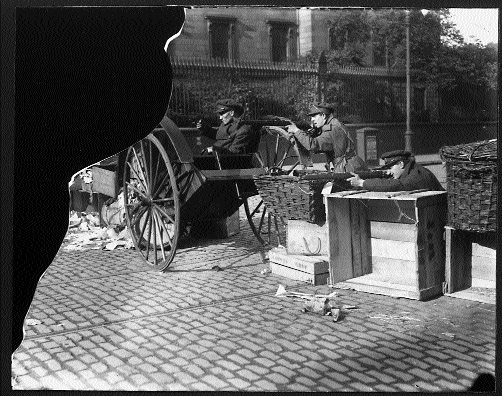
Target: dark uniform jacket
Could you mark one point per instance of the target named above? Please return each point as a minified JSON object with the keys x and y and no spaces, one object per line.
{"x":335,"y":142}
{"x":414,"y":177}
{"x":234,"y":137}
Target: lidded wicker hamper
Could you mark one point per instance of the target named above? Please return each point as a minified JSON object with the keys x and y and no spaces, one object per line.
{"x":471,"y":183}
{"x":290,"y":197}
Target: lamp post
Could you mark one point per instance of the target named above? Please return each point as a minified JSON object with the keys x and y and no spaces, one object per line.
{"x":408,"y":134}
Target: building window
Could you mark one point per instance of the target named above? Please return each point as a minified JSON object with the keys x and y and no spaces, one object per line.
{"x":282,"y":41}
{"x":221,"y":37}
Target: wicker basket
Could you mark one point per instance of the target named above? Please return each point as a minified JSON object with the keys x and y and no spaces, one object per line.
{"x":471,"y":180}
{"x":291,"y":197}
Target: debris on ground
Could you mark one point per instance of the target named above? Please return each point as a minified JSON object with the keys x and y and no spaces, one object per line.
{"x":318,"y":305}
{"x":281,"y":292}
{"x":85,"y":232}
{"x":323,"y":304}
{"x":336,"y":313}
{"x":113,"y":211}
{"x":398,"y":319}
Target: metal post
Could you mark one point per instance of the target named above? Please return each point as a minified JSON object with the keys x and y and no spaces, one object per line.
{"x":408,"y":134}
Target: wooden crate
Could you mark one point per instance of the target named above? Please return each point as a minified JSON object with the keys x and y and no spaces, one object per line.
{"x":306,"y":238}
{"x":104,"y":181}
{"x":311,"y":269}
{"x":484,"y":260}
{"x":470,"y":264}
{"x":387,"y":244}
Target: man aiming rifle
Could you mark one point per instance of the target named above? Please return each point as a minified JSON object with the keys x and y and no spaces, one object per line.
{"x":332,"y":139}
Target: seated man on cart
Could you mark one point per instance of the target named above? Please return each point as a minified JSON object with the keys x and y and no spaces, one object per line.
{"x":407,"y":175}
{"x":232,"y":136}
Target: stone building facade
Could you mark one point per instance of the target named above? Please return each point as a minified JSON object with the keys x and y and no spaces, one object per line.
{"x":272,"y":34}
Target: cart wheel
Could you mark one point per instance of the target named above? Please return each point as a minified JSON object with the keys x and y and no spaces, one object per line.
{"x":152,"y":206}
{"x":259,"y":211}
{"x":276,"y":155}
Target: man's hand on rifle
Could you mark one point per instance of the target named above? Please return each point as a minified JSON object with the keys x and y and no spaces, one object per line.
{"x":292,"y":128}
{"x":208,"y":150}
{"x":355,"y":181}
{"x":200,"y":124}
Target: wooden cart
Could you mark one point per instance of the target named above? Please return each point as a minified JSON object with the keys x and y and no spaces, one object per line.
{"x":166,"y":187}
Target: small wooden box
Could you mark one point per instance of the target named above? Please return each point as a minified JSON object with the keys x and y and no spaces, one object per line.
{"x":311,"y":269}
{"x":484,"y":260}
{"x":471,"y":260}
{"x":307,"y":238}
{"x":104,"y":181}
{"x":387,"y":243}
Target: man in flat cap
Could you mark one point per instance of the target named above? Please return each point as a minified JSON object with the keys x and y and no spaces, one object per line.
{"x":330,"y":137}
{"x":407,"y":175}
{"x":232,"y":137}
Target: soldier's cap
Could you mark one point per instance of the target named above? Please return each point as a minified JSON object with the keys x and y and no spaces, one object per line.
{"x":224,"y":105}
{"x":320,"y":107}
{"x":392,"y":157}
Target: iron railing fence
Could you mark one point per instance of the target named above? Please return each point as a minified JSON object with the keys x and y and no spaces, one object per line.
{"x":360,"y":94}
{"x":366,"y":94}
{"x":263,"y":88}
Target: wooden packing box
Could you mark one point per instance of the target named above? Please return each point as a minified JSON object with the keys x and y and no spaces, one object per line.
{"x":311,"y":269}
{"x":104,"y":181}
{"x":307,"y":238}
{"x":484,"y":260}
{"x":471,"y":260}
{"x":386,"y":243}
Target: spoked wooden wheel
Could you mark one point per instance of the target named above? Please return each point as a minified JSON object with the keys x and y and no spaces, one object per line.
{"x":276,"y":155}
{"x":256,"y":209}
{"x":152,"y":206}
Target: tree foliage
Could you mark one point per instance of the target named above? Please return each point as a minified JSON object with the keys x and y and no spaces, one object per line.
{"x":439,"y":55}
{"x":438,"y":52}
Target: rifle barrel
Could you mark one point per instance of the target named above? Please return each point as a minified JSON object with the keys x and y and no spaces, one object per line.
{"x":343,"y":176}
{"x":266,"y":122}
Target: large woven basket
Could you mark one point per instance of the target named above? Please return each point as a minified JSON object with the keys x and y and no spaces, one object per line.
{"x":291,"y":197}
{"x":471,"y":183}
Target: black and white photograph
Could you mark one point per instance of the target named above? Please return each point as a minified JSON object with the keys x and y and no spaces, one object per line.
{"x":254,"y":198}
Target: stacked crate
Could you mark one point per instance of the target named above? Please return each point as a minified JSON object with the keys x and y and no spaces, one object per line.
{"x":305,"y":257}
{"x":471,"y":231}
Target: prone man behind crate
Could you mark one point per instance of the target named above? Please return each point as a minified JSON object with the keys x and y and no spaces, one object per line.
{"x":407,"y":175}
{"x":331,"y":138}
{"x":232,"y":136}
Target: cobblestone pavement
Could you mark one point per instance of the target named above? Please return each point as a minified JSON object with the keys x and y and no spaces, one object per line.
{"x":102,"y":321}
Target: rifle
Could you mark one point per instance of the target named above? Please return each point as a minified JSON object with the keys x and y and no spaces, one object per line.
{"x":277,"y":122}
{"x":269,"y":120}
{"x":332,"y":176}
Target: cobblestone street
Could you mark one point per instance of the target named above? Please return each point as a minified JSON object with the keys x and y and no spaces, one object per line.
{"x":100,"y":320}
